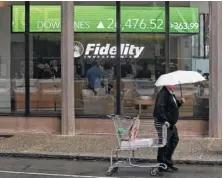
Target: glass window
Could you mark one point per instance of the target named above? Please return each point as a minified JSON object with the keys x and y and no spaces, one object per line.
{"x":44,"y":52}
{"x":143,"y":57}
{"x":95,"y":84}
{"x":6,"y":84}
{"x":45,"y":72}
{"x":191,"y":54}
{"x":45,"y":83}
{"x":94,"y":58}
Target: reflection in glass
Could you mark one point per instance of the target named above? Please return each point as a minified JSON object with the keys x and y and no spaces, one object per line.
{"x":142,"y":62}
{"x":190,"y":56}
{"x":95,"y":74}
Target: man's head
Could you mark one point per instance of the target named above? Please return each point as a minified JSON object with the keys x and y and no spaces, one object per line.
{"x":145,"y":64}
{"x":171,"y":87}
{"x":94,"y":63}
{"x":54,"y":62}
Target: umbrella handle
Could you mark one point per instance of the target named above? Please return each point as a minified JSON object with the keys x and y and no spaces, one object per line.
{"x":181,"y":91}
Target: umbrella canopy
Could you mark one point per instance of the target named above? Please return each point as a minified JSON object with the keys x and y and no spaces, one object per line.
{"x":179,"y":77}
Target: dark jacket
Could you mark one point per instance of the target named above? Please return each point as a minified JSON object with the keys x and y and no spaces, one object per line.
{"x":55,"y":73}
{"x":166,"y":108}
{"x":144,"y":73}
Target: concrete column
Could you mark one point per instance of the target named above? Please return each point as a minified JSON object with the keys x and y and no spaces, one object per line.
{"x":215,"y":102}
{"x":5,"y":42}
{"x":5,"y":57}
{"x":67,"y":65}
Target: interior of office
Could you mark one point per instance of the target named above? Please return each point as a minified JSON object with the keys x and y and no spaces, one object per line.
{"x":137,"y":90}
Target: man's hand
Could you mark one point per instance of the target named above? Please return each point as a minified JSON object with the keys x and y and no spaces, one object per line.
{"x":183,"y":100}
{"x":167,"y":124}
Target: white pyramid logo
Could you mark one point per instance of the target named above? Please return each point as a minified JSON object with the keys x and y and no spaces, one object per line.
{"x":100,"y":25}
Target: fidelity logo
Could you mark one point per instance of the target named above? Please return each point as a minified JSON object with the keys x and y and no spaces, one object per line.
{"x":94,"y":50}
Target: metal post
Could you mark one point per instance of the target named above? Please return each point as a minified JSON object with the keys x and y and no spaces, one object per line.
{"x":199,"y":37}
{"x":167,"y":36}
{"x":204,"y":37}
{"x":67,"y":68}
{"x":118,"y":63}
{"x":27,"y":77}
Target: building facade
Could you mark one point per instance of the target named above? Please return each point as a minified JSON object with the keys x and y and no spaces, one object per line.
{"x":48,"y":48}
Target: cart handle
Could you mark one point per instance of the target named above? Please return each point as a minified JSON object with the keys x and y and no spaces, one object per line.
{"x":114,"y":115}
{"x":127,"y":117}
{"x":110,"y":116}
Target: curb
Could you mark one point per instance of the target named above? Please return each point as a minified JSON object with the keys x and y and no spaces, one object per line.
{"x":98,"y":158}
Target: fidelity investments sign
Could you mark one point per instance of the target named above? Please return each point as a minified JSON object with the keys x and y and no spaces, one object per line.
{"x":106,"y":51}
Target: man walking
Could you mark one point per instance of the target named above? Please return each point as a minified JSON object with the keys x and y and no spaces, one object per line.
{"x":94,"y":77}
{"x":166,"y":111}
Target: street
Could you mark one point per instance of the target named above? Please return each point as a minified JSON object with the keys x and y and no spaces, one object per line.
{"x":42,"y":168}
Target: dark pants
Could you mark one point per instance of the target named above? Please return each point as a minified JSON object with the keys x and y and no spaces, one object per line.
{"x":165,"y":153}
{"x":92,"y":89}
{"x":110,"y":87}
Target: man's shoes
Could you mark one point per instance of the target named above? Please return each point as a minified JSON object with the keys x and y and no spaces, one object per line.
{"x":162,"y":170}
{"x":169,"y":169}
{"x":173,"y":168}
{"x":165,"y":170}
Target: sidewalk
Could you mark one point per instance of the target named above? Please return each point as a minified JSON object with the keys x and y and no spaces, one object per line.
{"x":192,"y":151}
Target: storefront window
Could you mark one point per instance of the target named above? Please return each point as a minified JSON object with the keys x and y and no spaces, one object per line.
{"x":141,"y":67}
{"x":18,"y":72}
{"x":94,"y":73}
{"x":142,"y":56}
{"x":47,"y":72}
{"x":139,"y":72}
{"x":44,"y":61}
{"x":190,"y":55}
{"x":6,"y":81}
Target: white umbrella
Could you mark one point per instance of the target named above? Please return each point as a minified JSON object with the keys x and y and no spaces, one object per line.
{"x":179,"y":77}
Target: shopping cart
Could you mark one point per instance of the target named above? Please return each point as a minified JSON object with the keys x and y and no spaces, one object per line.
{"x":127,"y":129}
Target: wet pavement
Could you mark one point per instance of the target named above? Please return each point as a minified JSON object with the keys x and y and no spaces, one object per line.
{"x":57,"y":168}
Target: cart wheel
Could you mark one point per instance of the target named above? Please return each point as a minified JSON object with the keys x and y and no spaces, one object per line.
{"x":115,"y":169}
{"x":154,"y":172}
{"x":109,"y":171}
